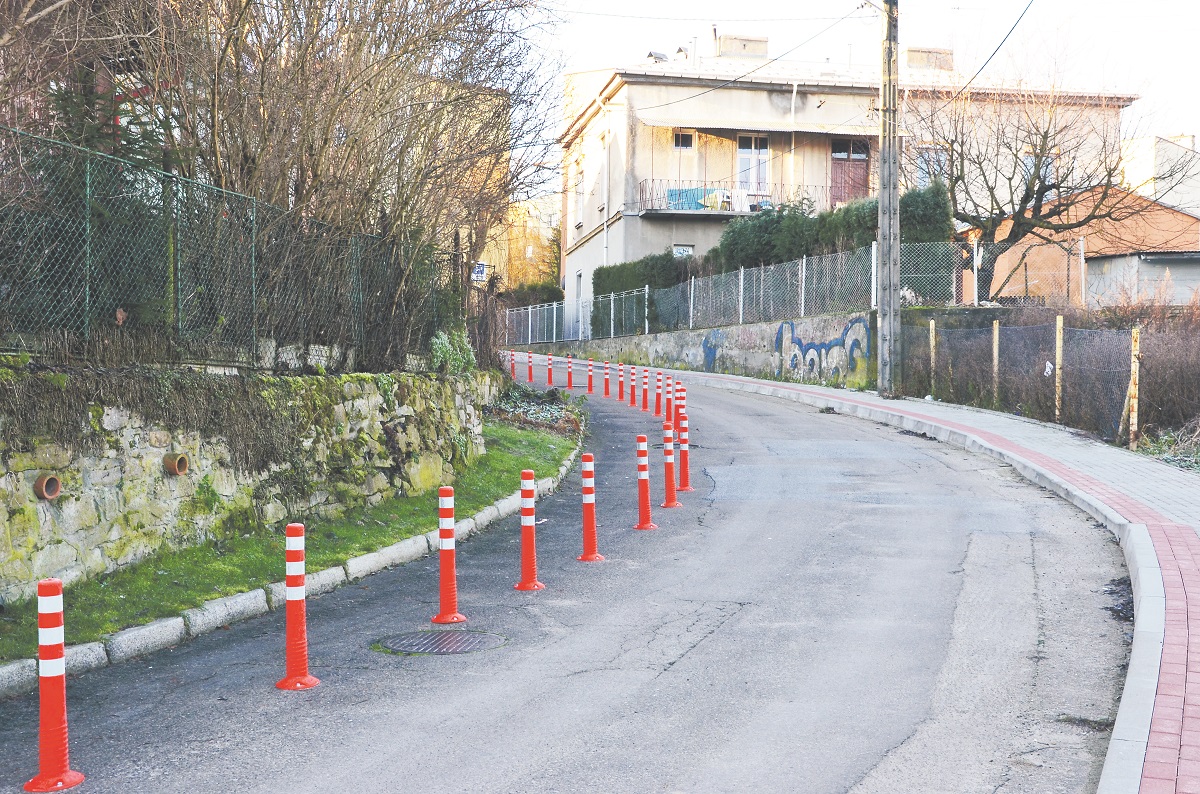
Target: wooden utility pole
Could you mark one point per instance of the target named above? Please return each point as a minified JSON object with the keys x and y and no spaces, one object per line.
{"x":889,"y":209}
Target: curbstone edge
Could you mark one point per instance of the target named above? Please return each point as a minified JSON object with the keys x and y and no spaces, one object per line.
{"x":140,"y":640}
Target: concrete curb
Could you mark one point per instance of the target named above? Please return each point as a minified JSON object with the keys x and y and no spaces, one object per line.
{"x":20,"y":676}
{"x":1127,"y":748}
{"x":140,"y":640}
{"x":222,"y":611}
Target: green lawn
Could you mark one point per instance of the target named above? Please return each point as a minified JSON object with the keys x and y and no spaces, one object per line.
{"x":165,"y":585}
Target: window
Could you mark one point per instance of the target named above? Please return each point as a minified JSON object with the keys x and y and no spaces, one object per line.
{"x":844,"y":149}
{"x":1040,"y":164}
{"x":684,"y":140}
{"x":753,"y":158}
{"x":681,"y":251}
{"x":931,"y":163}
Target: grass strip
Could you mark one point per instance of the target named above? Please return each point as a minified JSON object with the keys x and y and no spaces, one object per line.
{"x":168,"y":583}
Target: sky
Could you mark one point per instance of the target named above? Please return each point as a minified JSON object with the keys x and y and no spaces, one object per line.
{"x":1148,"y":48}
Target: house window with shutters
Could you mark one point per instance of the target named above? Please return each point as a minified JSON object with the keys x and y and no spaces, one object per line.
{"x":850,"y":170}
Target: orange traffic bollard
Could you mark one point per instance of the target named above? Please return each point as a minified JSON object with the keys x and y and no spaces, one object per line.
{"x":549,"y":370}
{"x":297,"y":630}
{"x":512,"y":363}
{"x":668,"y":400}
{"x":570,"y":373}
{"x":607,"y":391}
{"x":680,"y":402}
{"x":529,"y":580}
{"x":529,"y":360}
{"x":448,"y":589}
{"x":620,"y":381}
{"x":590,"y":553}
{"x":685,"y":477}
{"x":54,"y":764}
{"x":669,"y":466}
{"x":658,"y":386}
{"x":643,"y":485}
{"x":645,"y":389}
{"x":589,"y":388}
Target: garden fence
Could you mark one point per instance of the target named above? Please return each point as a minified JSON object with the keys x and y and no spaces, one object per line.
{"x":109,"y":262}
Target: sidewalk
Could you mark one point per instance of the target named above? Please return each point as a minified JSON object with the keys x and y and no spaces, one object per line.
{"x":1153,"y":508}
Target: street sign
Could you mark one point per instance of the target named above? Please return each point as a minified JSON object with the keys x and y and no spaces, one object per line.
{"x":479,"y":272}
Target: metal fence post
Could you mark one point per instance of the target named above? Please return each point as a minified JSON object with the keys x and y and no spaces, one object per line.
{"x":1134,"y":373}
{"x":875,"y":274}
{"x":741,"y":293}
{"x":646,"y":309}
{"x":554,"y":321}
{"x":1082,"y":274}
{"x":932,"y":358}
{"x":996,"y":364}
{"x":529,"y":318}
{"x":1058,"y":345}
{"x":254,"y":284}
{"x":975,"y":281}
{"x":803,"y":278}
{"x":87,"y":245}
{"x":692,"y":302}
{"x":612,"y":315}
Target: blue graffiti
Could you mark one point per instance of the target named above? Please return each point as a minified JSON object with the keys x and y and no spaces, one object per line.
{"x":821,"y":359}
{"x":711,"y":344}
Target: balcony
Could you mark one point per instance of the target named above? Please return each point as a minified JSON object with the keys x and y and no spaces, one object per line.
{"x":727,"y":198}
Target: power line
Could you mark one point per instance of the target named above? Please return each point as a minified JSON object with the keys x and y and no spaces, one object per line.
{"x":763,"y":65}
{"x":697,"y":19}
{"x":978,"y":71}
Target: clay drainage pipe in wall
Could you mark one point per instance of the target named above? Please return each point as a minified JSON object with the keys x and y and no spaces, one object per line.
{"x":47,"y":487}
{"x":176,"y":463}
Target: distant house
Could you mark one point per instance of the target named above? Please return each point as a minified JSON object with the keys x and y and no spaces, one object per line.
{"x":1118,"y":260}
{"x":662,"y":155}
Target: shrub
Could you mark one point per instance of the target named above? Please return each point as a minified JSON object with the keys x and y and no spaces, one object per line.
{"x":452,"y":353}
{"x":532,"y":294}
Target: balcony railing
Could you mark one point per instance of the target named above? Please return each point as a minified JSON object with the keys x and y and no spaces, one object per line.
{"x":689,"y":195}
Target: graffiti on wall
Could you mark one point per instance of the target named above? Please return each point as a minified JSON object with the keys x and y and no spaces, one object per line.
{"x":832,"y":358}
{"x":710,"y":345}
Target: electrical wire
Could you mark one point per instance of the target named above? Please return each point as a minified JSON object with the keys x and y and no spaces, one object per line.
{"x":763,"y":65}
{"x":697,"y":19}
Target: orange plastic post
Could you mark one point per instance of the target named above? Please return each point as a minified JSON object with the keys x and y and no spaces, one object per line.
{"x":632,"y":386}
{"x":297,"y":631}
{"x":512,"y":363}
{"x":54,"y":764}
{"x":529,"y":359}
{"x":669,"y":466}
{"x":590,"y":552}
{"x":607,"y":391}
{"x":549,"y":370}
{"x":448,"y":589}
{"x":620,"y":381}
{"x":685,"y":477}
{"x":680,"y":402}
{"x":529,"y":580}
{"x":589,"y":388}
{"x":668,"y":399}
{"x":658,"y":386}
{"x":570,"y":373}
{"x":643,"y":484}
{"x":645,"y":389}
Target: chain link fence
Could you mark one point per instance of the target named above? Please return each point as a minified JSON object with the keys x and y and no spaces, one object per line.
{"x":1082,"y":381}
{"x":112,"y":263}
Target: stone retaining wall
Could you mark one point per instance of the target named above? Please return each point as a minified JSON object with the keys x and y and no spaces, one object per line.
{"x":377,"y":436}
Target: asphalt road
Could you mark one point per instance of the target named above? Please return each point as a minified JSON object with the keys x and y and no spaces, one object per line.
{"x":838,"y":607}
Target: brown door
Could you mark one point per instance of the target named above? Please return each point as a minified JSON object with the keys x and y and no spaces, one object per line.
{"x":849,"y":174}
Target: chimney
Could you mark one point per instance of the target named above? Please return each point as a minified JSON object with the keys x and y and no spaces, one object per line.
{"x":741,"y":46}
{"x":929,"y":58}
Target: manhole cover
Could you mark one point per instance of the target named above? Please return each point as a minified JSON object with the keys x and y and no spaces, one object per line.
{"x":441,"y":642}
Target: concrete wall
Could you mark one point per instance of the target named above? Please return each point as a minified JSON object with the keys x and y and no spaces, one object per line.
{"x":836,"y":348}
{"x":383,"y":435}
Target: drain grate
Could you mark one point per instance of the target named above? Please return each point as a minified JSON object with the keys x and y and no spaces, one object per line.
{"x":440,"y":643}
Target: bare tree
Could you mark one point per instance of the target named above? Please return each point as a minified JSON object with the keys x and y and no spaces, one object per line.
{"x":1023,"y":163}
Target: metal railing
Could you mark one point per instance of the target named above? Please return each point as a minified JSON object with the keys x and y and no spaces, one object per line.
{"x":697,"y":195}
